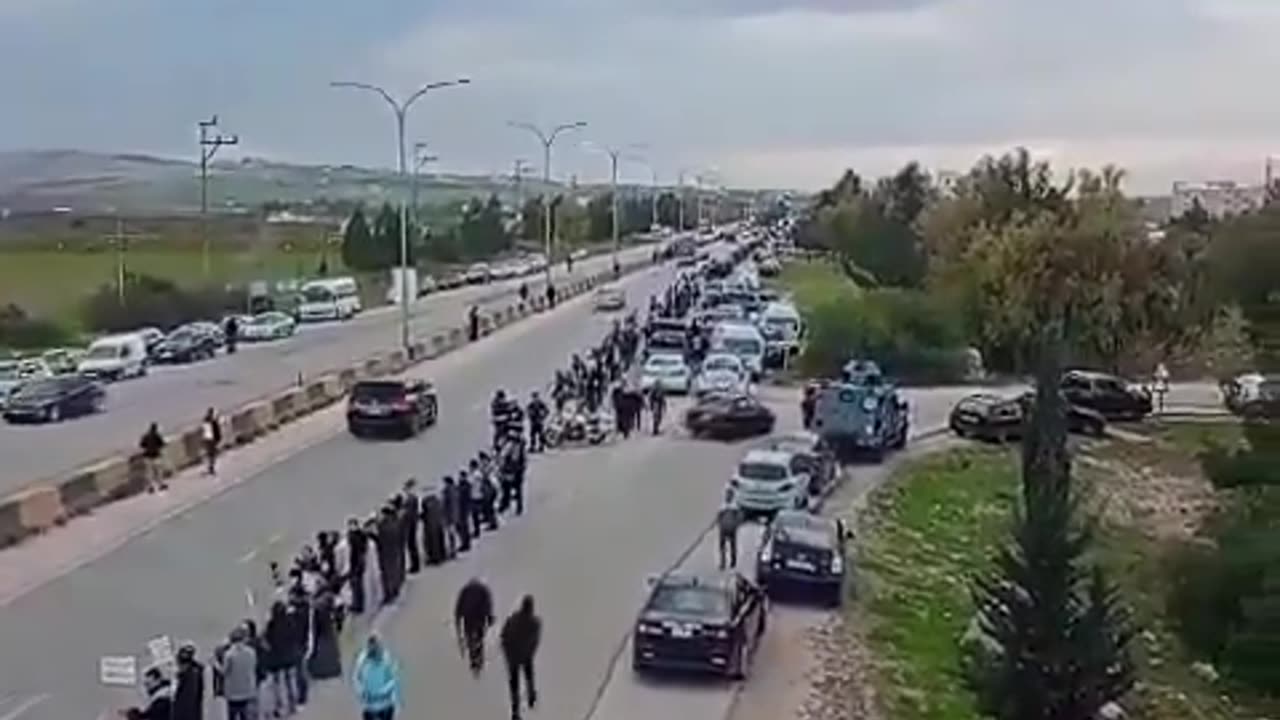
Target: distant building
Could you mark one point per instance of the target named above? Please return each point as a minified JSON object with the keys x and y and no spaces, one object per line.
{"x":1219,"y":198}
{"x":948,"y":180}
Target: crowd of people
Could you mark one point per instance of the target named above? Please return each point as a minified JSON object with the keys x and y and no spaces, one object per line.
{"x":268,"y":673}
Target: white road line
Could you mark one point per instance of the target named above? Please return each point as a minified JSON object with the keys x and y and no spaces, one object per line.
{"x":248,"y":597}
{"x":24,"y":706}
{"x":249,"y":556}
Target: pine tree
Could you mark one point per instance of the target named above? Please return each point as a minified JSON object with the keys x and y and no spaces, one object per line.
{"x":1062,"y":632}
{"x":357,"y":242}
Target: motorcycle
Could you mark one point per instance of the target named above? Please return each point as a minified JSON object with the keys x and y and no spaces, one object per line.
{"x":576,"y":426}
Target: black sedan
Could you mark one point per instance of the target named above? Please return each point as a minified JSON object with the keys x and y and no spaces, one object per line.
{"x":1109,"y":395}
{"x":995,"y":418}
{"x":185,"y":345}
{"x":700,"y":623}
{"x":805,"y":552}
{"x":53,"y":399}
{"x":402,"y":407}
{"x":728,"y":417}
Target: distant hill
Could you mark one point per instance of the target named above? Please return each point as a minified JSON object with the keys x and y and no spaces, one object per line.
{"x":37,"y":181}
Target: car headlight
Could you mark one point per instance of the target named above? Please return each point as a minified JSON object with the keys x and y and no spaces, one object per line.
{"x":719,"y":633}
{"x":646,"y":628}
{"x":837,"y":564}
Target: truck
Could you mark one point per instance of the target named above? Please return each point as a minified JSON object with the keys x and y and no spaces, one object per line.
{"x":861,"y":414}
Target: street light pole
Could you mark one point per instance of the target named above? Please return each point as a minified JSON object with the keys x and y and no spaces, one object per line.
{"x":401,"y":109}
{"x":210,"y":140}
{"x":547,"y":140}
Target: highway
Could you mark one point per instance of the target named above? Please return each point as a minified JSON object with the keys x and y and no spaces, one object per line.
{"x":177,"y":396}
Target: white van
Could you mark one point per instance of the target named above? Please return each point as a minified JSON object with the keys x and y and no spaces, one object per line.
{"x":744,"y":341}
{"x":331,"y":299}
{"x":115,"y":357}
{"x":783,"y":329}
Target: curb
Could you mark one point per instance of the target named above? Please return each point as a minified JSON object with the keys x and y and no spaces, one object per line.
{"x":38,"y":508}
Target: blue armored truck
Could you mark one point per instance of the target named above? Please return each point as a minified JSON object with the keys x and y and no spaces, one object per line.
{"x":862,"y":414}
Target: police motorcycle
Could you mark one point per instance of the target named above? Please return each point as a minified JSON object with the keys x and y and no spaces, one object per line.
{"x":578,"y":426}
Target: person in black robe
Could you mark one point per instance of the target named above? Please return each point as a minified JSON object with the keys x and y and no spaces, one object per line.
{"x":325,"y":661}
{"x":449,"y":517}
{"x":410,"y":516}
{"x":357,"y":561}
{"x":465,"y":511}
{"x":389,"y":546}
{"x":472,"y":618}
{"x":433,"y":544}
{"x":188,"y":693}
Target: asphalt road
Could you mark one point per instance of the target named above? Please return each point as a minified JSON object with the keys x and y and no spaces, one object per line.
{"x":177,"y":396}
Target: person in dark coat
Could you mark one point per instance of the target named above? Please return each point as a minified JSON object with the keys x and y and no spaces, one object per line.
{"x":300,"y":617}
{"x":537,"y":413}
{"x":279,"y":659}
{"x":159,"y":702}
{"x":489,"y":500}
{"x":465,"y":511}
{"x":473,"y":323}
{"x":449,"y":517}
{"x":325,"y":662}
{"x":433,"y":543}
{"x":357,"y":560}
{"x":620,"y":419}
{"x":410,"y":516}
{"x":657,"y":406}
{"x":152,"y":445}
{"x":807,"y":404}
{"x":520,"y":636}
{"x":188,"y":693}
{"x":389,"y":546}
{"x":472,"y":618}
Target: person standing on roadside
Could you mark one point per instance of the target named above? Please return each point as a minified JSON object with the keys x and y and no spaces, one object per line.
{"x":377,"y":682}
{"x":472,"y":618}
{"x":300,"y":616}
{"x":520,"y":636}
{"x":449,"y":517}
{"x":657,"y":406}
{"x":188,"y":692}
{"x":410,"y":516}
{"x":537,"y":413}
{"x":211,"y":439}
{"x":473,"y":323}
{"x":728,"y":521}
{"x":433,"y":542}
{"x":465,"y":511}
{"x":388,"y":547}
{"x":239,"y":670}
{"x":152,"y":445}
{"x":357,"y":561}
{"x":280,"y":660}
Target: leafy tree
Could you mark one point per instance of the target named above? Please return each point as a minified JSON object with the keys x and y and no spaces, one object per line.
{"x":482,"y":231}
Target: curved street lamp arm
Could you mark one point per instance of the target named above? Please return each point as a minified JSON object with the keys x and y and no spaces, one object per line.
{"x":433,"y":86}
{"x":530,"y":127}
{"x":371,"y":88}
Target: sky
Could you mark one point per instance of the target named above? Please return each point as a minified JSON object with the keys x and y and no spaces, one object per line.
{"x":756,"y":93}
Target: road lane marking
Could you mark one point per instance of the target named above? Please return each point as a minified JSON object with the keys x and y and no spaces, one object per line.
{"x":254,"y":552}
{"x":24,"y":706}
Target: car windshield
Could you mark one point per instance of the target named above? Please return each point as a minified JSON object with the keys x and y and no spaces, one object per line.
{"x":722,"y":362}
{"x":186,"y":334}
{"x":377,"y":391}
{"x":762,"y":471}
{"x":664,"y":362}
{"x":741,"y":346}
{"x":8,"y":371}
{"x":317,"y":294}
{"x":700,"y":601}
{"x":50,"y":387}
{"x":264,"y":319}
{"x":104,"y":352}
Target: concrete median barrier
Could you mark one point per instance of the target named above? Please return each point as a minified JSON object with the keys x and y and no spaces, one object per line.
{"x":11,"y":529}
{"x":40,"y":508}
{"x":347,"y":377}
{"x":80,"y":493}
{"x":396,"y":361}
{"x":117,"y":478}
{"x":373,"y":367}
{"x":246,"y":422}
{"x":288,"y":405}
{"x":457,"y":336}
{"x":322,"y":392}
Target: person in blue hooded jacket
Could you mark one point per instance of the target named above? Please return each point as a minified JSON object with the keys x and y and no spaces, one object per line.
{"x":377,"y":682}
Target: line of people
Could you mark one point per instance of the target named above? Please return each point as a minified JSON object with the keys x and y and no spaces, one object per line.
{"x":269,"y":673}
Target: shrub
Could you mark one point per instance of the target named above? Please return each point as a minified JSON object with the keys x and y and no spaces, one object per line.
{"x":152,"y":301}
{"x":910,"y":334}
{"x":21,"y":331}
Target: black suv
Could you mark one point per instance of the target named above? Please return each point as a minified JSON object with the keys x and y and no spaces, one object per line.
{"x":1106,"y":394}
{"x":712,"y":623}
{"x":402,"y":407}
{"x":803,"y":551}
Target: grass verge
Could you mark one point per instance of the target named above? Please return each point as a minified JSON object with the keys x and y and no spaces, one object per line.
{"x":815,"y":282}
{"x":925,"y":532}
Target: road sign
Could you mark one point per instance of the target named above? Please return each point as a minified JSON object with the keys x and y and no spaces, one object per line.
{"x":118,"y":670}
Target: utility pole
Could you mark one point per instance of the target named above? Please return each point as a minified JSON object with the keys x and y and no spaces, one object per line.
{"x":547,"y":139}
{"x":401,"y":109}
{"x":120,"y":241}
{"x":211,"y":139}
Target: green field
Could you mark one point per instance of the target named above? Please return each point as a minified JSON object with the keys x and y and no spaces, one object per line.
{"x":815,"y":282}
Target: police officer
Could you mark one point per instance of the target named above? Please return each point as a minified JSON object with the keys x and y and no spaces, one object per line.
{"x":462,"y":521}
{"x":657,"y":406}
{"x":410,"y":516}
{"x":472,"y":618}
{"x":449,"y":517}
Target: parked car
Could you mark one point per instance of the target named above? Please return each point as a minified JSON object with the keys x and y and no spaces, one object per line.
{"x":610,"y":298}
{"x":1111,"y":396}
{"x":729,"y":417}
{"x":803,"y":551}
{"x":813,"y":455}
{"x":668,"y":371}
{"x":213,"y":332}
{"x":115,"y":357}
{"x":720,"y":373}
{"x":477,"y":274}
{"x":62,"y":360}
{"x":54,"y":398}
{"x":1264,"y":404}
{"x":1239,"y":390}
{"x":767,"y":481}
{"x":267,"y":326}
{"x":152,"y":336}
{"x":427,"y":284}
{"x":401,"y":407}
{"x":187,"y":344}
{"x":992,"y":417}
{"x":10,"y":380}
{"x":34,"y":368}
{"x":702,"y":623}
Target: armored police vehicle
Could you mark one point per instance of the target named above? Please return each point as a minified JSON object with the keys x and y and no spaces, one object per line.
{"x":862,"y":414}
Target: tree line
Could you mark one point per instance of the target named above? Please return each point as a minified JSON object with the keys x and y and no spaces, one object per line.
{"x":1042,"y":270}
